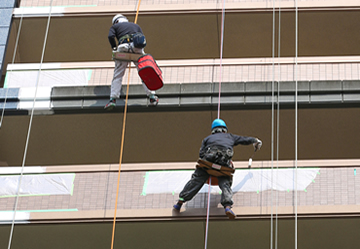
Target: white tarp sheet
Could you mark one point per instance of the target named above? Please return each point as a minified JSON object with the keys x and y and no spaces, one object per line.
{"x":17,"y":170}
{"x":48,"y":184}
{"x":49,"y":78}
{"x":7,"y":217}
{"x":252,"y":180}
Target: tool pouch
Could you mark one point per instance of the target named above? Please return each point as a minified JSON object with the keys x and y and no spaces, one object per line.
{"x":219,"y":155}
{"x":139,"y":40}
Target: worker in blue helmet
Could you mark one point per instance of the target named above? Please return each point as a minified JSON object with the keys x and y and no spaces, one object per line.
{"x":216,"y":148}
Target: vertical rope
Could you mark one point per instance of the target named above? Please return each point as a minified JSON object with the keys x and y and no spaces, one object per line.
{"x":296,"y":118}
{"x":221,"y":52}
{"x":122,"y":144}
{"x":272,"y":125}
{"x":218,"y":113}
{"x":29,"y":129}
{"x":207,"y":214}
{"x":12,"y":63}
{"x":278,"y":129}
{"x":137,"y":12}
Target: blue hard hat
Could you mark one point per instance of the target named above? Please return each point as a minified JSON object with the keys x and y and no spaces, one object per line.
{"x":218,"y":123}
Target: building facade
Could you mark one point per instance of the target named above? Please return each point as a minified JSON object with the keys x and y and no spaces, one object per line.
{"x":289,"y":74}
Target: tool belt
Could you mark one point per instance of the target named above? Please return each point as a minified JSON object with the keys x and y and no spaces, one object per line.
{"x":137,"y":38}
{"x":215,"y":169}
{"x":125,"y":39}
{"x":219,"y":155}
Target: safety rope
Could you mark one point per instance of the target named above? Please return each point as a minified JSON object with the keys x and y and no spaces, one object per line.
{"x":296,"y":119}
{"x":29,"y":129}
{"x":12,"y":63}
{"x":278,"y":128}
{"x":218,"y":112}
{"x":207,"y":214}
{"x":122,"y":142}
{"x":272,"y":125}
{"x":221,"y":52}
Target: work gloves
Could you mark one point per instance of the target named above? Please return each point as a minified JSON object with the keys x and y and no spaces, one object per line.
{"x":257,"y":144}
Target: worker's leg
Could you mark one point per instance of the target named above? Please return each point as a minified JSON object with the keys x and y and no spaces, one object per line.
{"x":192,"y":187}
{"x":148,"y":92}
{"x":151,"y":94}
{"x":225,"y":183}
{"x":119,"y":71}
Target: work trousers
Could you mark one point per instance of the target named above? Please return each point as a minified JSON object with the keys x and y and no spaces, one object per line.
{"x":120,"y":67}
{"x":198,"y":179}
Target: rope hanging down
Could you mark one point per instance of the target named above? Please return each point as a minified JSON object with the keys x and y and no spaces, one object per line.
{"x":122,"y":142}
{"x":278,"y":128}
{"x":221,"y":53}
{"x":218,"y":113}
{"x":272,"y":126}
{"x":207,"y":214}
{"x":29,"y":129}
{"x":296,"y":117}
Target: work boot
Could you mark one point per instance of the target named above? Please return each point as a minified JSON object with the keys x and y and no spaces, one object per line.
{"x":178,"y":205}
{"x":154,"y":100}
{"x":111,"y":105}
{"x":229,"y":213}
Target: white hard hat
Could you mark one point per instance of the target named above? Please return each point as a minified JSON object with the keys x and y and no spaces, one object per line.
{"x":120,"y":18}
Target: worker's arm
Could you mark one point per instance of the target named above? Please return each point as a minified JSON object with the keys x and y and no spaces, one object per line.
{"x":112,"y":38}
{"x":257,"y":143}
{"x":202,"y":149}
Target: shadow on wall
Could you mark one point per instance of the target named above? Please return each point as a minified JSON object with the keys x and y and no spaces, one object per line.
{"x":200,"y":200}
{"x":92,"y":97}
{"x":102,"y":96}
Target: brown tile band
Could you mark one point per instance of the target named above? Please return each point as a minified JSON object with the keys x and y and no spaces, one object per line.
{"x":334,"y":190}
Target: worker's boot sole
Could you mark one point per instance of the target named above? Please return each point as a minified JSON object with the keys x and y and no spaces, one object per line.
{"x":229,"y":213}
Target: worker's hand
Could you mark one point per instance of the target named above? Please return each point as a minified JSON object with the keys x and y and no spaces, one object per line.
{"x":257,"y":145}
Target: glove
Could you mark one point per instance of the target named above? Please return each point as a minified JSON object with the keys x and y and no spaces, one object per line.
{"x":257,"y":145}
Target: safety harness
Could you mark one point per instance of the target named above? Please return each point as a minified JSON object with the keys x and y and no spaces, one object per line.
{"x":219,"y":155}
{"x":217,"y":161}
{"x":125,"y":39}
{"x":138,"y":39}
{"x":215,"y":169}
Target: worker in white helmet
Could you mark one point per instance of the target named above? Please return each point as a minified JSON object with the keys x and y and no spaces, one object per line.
{"x":131,"y":40}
